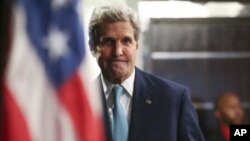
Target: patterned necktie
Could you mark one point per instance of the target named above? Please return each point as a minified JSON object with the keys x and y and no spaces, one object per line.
{"x":120,"y":123}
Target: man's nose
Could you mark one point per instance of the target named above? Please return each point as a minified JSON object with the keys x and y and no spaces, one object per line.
{"x":118,"y":49}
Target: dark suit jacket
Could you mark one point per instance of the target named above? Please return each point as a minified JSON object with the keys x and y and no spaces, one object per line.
{"x":161,"y":111}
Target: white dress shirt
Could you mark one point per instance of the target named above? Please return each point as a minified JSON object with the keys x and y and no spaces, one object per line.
{"x":126,"y":97}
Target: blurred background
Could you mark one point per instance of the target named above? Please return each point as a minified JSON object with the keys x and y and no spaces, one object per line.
{"x":202,"y":44}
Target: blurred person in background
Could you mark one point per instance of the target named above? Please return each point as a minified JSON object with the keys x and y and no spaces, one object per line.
{"x":150,"y":108}
{"x":228,"y":110}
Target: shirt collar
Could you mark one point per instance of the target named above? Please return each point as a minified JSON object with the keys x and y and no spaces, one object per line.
{"x":128,"y":84}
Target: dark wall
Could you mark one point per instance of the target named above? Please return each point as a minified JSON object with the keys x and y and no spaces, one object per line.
{"x":206,"y":76}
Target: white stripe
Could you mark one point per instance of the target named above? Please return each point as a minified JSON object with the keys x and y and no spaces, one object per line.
{"x":67,"y":132}
{"x":89,"y":70}
{"x":92,"y":89}
{"x":198,"y":55}
{"x":31,"y":89}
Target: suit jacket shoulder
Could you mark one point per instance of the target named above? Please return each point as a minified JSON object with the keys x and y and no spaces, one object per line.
{"x":159,"y":86}
{"x":162,"y":110}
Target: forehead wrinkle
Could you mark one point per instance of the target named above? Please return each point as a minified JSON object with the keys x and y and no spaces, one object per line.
{"x":108,"y":29}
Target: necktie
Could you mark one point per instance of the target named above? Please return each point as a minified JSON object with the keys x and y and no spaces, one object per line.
{"x":120,"y":123}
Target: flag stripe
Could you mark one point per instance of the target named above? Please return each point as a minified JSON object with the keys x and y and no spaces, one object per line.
{"x":15,"y":124}
{"x":78,"y":106}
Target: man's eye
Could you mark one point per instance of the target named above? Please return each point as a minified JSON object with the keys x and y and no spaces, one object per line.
{"x":107,"y":42}
{"x":127,"y":40}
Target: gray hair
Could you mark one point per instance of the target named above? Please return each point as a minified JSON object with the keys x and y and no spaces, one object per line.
{"x":110,"y":14}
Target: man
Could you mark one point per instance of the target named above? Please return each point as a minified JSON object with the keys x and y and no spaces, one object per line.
{"x":227,"y":111}
{"x":154,"y":109}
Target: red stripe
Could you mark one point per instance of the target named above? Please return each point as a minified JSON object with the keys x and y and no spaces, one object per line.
{"x":73,"y":95}
{"x":15,"y":126}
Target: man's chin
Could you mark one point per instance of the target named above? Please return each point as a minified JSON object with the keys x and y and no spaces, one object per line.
{"x":117,"y":72}
{"x":117,"y":77}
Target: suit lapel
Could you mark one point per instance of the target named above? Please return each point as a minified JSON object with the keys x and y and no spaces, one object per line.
{"x":142,"y":105}
{"x":105,"y":113}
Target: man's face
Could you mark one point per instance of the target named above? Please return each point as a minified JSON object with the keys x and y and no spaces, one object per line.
{"x":231,"y":111}
{"x":116,"y":51}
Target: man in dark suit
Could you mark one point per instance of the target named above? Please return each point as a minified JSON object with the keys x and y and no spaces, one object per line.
{"x":149,"y":108}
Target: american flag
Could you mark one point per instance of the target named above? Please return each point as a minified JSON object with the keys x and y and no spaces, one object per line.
{"x":47,"y":96}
